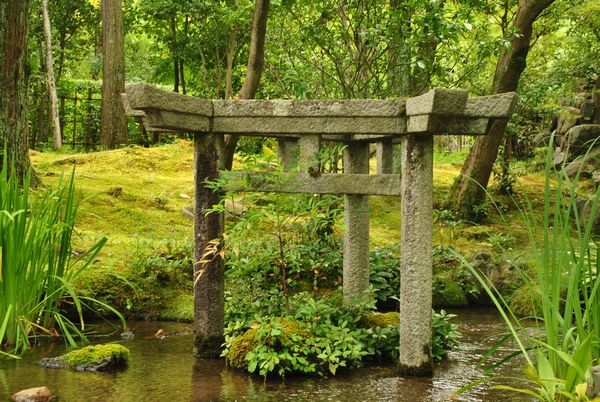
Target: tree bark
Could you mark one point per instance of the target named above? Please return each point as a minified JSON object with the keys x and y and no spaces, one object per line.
{"x":596,"y":98}
{"x":14,"y":15}
{"x":54,"y":117}
{"x":113,"y":129}
{"x":256,"y":63}
{"x":469,"y":188}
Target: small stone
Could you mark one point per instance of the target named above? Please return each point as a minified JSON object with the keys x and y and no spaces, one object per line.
{"x":186,"y":196}
{"x":39,"y":394}
{"x":115,"y":191}
{"x":127,"y":335}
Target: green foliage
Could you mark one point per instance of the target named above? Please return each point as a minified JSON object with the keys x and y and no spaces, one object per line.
{"x":322,"y":336}
{"x":445,"y":334}
{"x":384,"y":273}
{"x":565,"y":344}
{"x":38,"y":264}
{"x":95,"y":353}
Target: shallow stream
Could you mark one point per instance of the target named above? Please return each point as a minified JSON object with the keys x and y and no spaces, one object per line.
{"x":165,"y":370}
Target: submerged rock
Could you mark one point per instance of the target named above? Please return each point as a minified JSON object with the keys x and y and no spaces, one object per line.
{"x":38,"y":394}
{"x":106,"y":357}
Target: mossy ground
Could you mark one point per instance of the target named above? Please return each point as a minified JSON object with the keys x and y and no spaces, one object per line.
{"x":135,"y":197}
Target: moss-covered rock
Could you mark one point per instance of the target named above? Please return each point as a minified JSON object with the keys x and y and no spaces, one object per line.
{"x":447,"y":292}
{"x":103,"y":357}
{"x":526,"y":301}
{"x":376,"y":319}
{"x":245,"y":343}
{"x":240,"y":347}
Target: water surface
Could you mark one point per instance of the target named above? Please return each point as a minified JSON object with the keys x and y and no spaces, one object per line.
{"x":165,"y":370}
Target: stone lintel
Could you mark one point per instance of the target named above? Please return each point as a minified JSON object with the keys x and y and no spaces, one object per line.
{"x":438,"y":101}
{"x":146,"y":96}
{"x":277,"y":125}
{"x":438,"y":124}
{"x":165,"y":120}
{"x":347,"y":183}
{"x":310,"y":108}
{"x":493,"y":106}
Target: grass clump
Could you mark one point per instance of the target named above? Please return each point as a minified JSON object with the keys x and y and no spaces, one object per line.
{"x":38,"y":264}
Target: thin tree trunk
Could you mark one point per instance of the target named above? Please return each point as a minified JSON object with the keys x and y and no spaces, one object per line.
{"x":469,"y":188}
{"x":229,"y":71}
{"x":14,"y":17}
{"x":596,"y":97}
{"x":113,"y":125}
{"x":54,"y":117}
{"x":41,"y":132}
{"x":174,"y":54}
{"x":256,"y":62}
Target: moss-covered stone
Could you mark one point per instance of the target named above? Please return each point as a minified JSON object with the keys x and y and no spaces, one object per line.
{"x":102,"y":357}
{"x":240,"y":347}
{"x":447,"y":292}
{"x":376,"y":319}
{"x":245,"y":343}
{"x":526,"y":301}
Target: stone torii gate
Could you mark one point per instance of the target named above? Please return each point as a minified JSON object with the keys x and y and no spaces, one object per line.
{"x":300,"y":126}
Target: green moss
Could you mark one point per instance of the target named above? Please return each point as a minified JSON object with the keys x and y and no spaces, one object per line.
{"x":478,"y":233}
{"x":447,"y":292}
{"x":376,"y":319}
{"x":245,"y":343}
{"x":95,"y":353}
{"x":179,"y":308}
{"x":240,"y":347}
{"x":526,"y":301}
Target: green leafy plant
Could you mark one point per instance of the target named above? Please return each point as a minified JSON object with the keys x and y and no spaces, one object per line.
{"x":38,"y":264}
{"x":565,"y":344}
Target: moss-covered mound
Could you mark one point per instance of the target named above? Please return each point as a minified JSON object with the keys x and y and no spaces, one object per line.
{"x":375,"y":319}
{"x":245,"y":343}
{"x":526,"y":301}
{"x":448,"y":292}
{"x":103,"y":357}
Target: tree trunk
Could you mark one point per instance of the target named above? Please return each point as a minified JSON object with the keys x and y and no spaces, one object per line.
{"x":56,"y":134}
{"x":113,"y":129}
{"x":14,"y":15}
{"x":469,"y":188}
{"x":256,"y":63}
{"x":596,"y":97}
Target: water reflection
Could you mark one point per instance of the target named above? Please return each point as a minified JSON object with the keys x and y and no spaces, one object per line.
{"x":166,"y":370}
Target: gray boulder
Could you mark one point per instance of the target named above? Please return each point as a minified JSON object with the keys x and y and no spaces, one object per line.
{"x":580,"y":138}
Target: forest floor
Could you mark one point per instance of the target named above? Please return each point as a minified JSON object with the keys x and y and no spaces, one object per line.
{"x":136,"y":198}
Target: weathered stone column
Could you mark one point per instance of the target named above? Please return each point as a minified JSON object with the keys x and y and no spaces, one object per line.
{"x":288,"y":153}
{"x":356,"y":231}
{"x":209,"y":298}
{"x":416,"y":255}
{"x":385,"y":157}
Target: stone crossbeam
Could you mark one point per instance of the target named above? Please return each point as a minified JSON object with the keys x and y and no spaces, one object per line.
{"x":348,"y":183}
{"x":440,"y":111}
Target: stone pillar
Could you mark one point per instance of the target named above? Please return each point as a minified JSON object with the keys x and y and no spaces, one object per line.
{"x":310,"y":145}
{"x":356,"y":231}
{"x":385,"y":157}
{"x":209,"y":298}
{"x":416,"y":255}
{"x":288,"y":153}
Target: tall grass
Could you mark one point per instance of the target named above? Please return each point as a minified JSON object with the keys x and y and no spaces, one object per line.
{"x":560,"y":352}
{"x":37,"y":262}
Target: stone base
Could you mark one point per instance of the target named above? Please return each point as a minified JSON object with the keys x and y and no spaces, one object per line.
{"x":425,"y":370}
{"x":208,"y":347}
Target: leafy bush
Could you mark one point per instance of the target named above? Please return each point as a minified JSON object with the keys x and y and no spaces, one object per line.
{"x":322,"y":336}
{"x":38,"y":265}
